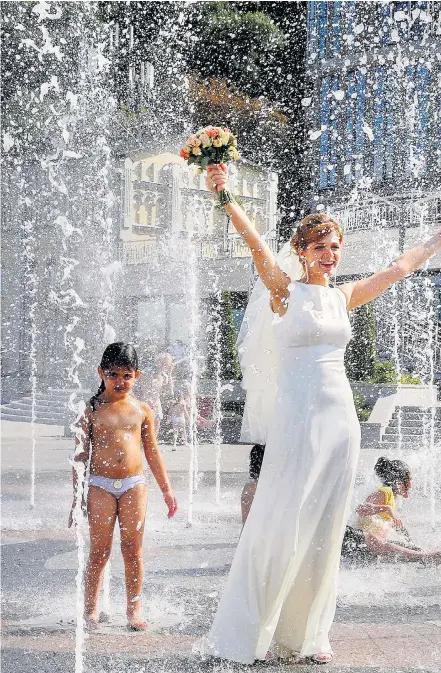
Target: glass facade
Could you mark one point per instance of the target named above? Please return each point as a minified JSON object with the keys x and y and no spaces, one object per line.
{"x":377,"y":121}
{"x":422,"y":83}
{"x":332,"y":26}
{"x":322,"y":18}
{"x":379,"y":125}
{"x":333,"y":132}
{"x":438,"y":120}
{"x":336,"y":27}
{"x":350,"y":127}
{"x":360,"y":126}
{"x":324,"y":121}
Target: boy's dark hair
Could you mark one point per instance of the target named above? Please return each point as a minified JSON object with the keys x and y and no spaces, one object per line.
{"x":118,"y":354}
{"x":392,"y":472}
{"x":256,"y":458}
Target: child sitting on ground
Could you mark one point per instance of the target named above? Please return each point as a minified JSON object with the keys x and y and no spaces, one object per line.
{"x":378,"y":521}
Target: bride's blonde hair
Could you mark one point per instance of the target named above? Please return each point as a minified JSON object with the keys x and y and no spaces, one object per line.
{"x":312,"y":229}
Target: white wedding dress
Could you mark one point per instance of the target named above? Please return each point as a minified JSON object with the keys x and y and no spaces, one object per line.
{"x":281,"y":590}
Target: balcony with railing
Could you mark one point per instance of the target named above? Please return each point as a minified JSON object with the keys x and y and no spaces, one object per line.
{"x":143,"y":252}
{"x":378,"y":212}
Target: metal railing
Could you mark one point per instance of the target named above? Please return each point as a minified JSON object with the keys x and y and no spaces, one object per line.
{"x":382,"y":212}
{"x":141,"y":252}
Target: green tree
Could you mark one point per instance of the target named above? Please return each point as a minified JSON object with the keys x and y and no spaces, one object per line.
{"x":230,"y":40}
{"x":221,"y":312}
{"x":384,"y":372}
{"x":360,"y":353}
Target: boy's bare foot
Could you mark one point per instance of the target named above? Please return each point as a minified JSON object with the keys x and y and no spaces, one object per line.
{"x":135,"y":622}
{"x":90,"y":622}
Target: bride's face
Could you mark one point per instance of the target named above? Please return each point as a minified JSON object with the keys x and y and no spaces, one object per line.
{"x":322,"y":257}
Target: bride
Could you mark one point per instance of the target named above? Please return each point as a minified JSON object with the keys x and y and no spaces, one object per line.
{"x":280,"y":596}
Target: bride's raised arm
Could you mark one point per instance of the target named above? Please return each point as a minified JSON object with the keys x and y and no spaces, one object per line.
{"x":271,"y":274}
{"x":363,"y":291}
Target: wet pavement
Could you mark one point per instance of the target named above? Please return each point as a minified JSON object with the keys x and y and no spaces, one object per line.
{"x":388,"y":616}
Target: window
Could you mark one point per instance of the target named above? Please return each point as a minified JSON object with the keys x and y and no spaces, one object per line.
{"x":438,"y":119}
{"x":379,"y":125}
{"x":401,"y":18}
{"x":359,"y":131}
{"x":355,"y":134}
{"x":417,"y":26}
{"x":390,"y":126}
{"x":312,"y":28}
{"x":333,"y":134}
{"x":385,"y":10}
{"x":422,"y":83}
{"x":350,"y":10}
{"x":324,"y":138}
{"x":322,"y":27}
{"x":350,"y":127}
{"x":336,"y":27}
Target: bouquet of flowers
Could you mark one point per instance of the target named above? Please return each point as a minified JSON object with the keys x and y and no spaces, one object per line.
{"x":211,"y":145}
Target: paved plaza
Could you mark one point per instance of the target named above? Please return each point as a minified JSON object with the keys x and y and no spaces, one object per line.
{"x":388,"y":616}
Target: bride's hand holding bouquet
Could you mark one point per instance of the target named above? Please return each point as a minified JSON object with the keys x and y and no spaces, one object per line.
{"x":216,"y":177}
{"x":211,"y":149}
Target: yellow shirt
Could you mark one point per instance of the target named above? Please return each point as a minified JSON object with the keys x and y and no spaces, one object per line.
{"x":389,"y":499}
{"x":378,"y":524}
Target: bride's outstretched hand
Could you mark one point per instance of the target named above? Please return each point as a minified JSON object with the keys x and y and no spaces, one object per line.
{"x":216,"y":177}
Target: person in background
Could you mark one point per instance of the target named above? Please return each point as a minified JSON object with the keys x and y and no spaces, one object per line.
{"x":178,"y":350}
{"x":249,"y":490}
{"x":156,"y":387}
{"x":178,"y":417}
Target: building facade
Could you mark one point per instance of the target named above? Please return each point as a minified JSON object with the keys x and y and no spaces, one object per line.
{"x":374,"y":119}
{"x":178,"y":247}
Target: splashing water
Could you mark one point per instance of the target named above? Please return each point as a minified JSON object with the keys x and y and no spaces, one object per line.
{"x":193,"y":470}
{"x":217,"y":407}
{"x":31,"y":292}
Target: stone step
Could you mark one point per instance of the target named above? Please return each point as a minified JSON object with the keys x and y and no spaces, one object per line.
{"x":60,"y":408}
{"x":420,"y":409}
{"x":407,"y":442}
{"x":27,"y":410}
{"x":417,"y":417}
{"x":395,"y":430}
{"x":39,"y":418}
{"x":417,"y":410}
{"x":28,"y":419}
{"x":416,"y":423}
{"x":62,"y":399}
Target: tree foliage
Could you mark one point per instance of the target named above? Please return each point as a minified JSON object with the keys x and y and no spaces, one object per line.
{"x":360,"y":353}
{"x":221,"y":312}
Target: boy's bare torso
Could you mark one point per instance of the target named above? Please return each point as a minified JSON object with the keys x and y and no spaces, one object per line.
{"x":116,"y":438}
